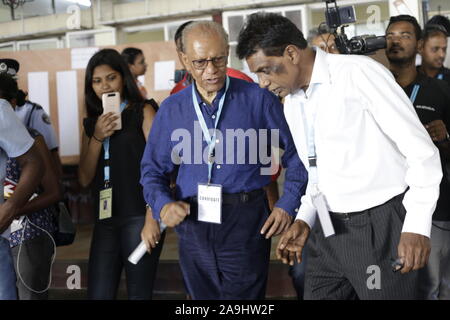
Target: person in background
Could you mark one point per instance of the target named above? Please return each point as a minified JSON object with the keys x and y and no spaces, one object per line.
{"x":34,"y":116}
{"x":444,"y":22}
{"x":433,"y":49}
{"x":14,"y":142}
{"x":431,"y":100}
{"x":323,"y":38}
{"x":31,"y":233}
{"x":110,"y":162}
{"x":135,"y":59}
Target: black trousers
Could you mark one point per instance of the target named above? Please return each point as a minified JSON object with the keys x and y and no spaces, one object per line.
{"x":112,"y":242}
{"x":355,"y":263}
{"x":228,"y":260}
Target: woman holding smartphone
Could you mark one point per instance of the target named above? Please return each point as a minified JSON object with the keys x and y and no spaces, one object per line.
{"x":110,"y":162}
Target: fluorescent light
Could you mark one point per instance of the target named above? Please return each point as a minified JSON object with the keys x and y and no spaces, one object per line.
{"x":86,"y":3}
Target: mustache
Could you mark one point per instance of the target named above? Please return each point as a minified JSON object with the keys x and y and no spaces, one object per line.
{"x":395,"y":47}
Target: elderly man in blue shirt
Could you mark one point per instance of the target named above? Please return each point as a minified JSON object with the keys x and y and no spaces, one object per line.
{"x":218,"y":133}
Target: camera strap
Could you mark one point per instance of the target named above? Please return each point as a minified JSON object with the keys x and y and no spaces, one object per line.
{"x":318,"y":199}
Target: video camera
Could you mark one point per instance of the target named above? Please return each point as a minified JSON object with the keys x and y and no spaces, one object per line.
{"x":339,"y":18}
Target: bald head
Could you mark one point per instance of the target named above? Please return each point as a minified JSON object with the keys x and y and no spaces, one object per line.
{"x":202,"y":29}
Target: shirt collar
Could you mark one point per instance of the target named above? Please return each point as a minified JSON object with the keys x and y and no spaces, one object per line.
{"x":199,"y":98}
{"x":321,"y":72}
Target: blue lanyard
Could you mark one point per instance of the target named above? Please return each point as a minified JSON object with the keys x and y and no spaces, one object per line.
{"x":440,"y":76}
{"x":414,"y":93}
{"x":106,"y":149}
{"x":211,"y":141}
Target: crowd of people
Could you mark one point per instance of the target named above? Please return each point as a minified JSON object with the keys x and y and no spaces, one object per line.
{"x":365,"y":154}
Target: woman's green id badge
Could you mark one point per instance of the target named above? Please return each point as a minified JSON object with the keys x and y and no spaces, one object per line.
{"x":105,"y":204}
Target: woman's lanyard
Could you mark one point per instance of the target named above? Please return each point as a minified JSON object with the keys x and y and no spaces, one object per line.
{"x":106,"y":169}
{"x":211,"y":141}
{"x":440,"y":76}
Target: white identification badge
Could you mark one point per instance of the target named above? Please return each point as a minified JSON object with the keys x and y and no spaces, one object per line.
{"x":324,"y":216}
{"x":209,"y":199}
{"x":16,"y":225}
{"x":105,"y":204}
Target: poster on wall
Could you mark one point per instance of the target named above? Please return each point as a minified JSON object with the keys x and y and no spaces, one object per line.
{"x":80,"y":57}
{"x":164,"y":73}
{"x":38,"y":91}
{"x":68,"y":115}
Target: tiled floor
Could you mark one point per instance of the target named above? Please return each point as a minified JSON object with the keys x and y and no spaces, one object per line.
{"x":168,"y":283}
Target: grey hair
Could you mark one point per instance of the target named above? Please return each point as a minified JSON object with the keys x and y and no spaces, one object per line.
{"x":208,"y":27}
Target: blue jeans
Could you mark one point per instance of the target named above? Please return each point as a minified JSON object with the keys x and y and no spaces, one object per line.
{"x":8,"y":289}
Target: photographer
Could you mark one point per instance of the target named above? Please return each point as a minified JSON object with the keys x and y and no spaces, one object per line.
{"x":370,"y":162}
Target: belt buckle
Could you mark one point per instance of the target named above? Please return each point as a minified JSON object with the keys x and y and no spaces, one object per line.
{"x":244,"y":197}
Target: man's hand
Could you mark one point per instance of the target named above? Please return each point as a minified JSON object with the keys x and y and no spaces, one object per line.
{"x":151,"y":232}
{"x":278,"y":222}
{"x":173,"y":213}
{"x":437,"y":130}
{"x":7,"y":215}
{"x":413,"y":251}
{"x":292,"y":242}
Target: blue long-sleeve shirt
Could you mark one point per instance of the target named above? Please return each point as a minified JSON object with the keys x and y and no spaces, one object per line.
{"x":176,"y":134}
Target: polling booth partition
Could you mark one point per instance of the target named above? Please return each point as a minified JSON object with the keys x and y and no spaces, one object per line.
{"x":55,"y":80}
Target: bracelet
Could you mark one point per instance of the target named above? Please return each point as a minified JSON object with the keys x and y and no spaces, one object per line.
{"x":93,"y":136}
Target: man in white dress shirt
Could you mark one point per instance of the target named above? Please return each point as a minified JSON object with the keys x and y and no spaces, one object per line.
{"x":374,"y":172}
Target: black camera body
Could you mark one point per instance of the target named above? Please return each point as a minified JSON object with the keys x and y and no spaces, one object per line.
{"x":339,"y":17}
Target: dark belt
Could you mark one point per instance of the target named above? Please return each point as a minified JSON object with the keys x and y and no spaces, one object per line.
{"x":347,"y":215}
{"x":235,"y":198}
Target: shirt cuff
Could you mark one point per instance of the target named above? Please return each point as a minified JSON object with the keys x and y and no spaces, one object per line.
{"x":418,"y":222}
{"x":307,"y":213}
{"x":161,"y":201}
{"x":288,"y":205}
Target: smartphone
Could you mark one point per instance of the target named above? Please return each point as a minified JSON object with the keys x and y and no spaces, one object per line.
{"x":111,"y":103}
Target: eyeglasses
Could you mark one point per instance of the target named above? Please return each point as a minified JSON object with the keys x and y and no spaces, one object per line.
{"x":218,"y":62}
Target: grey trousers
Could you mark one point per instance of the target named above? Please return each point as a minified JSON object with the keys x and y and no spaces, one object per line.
{"x":34,"y":267}
{"x":435,"y":277}
{"x":355,"y":263}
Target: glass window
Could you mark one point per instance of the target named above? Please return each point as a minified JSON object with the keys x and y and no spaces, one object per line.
{"x":295,"y":17}
{"x":8,"y":47}
{"x":235,"y":24}
{"x":41,"y":45}
{"x":145,"y":36}
{"x":234,"y":60}
{"x":82,"y":40}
